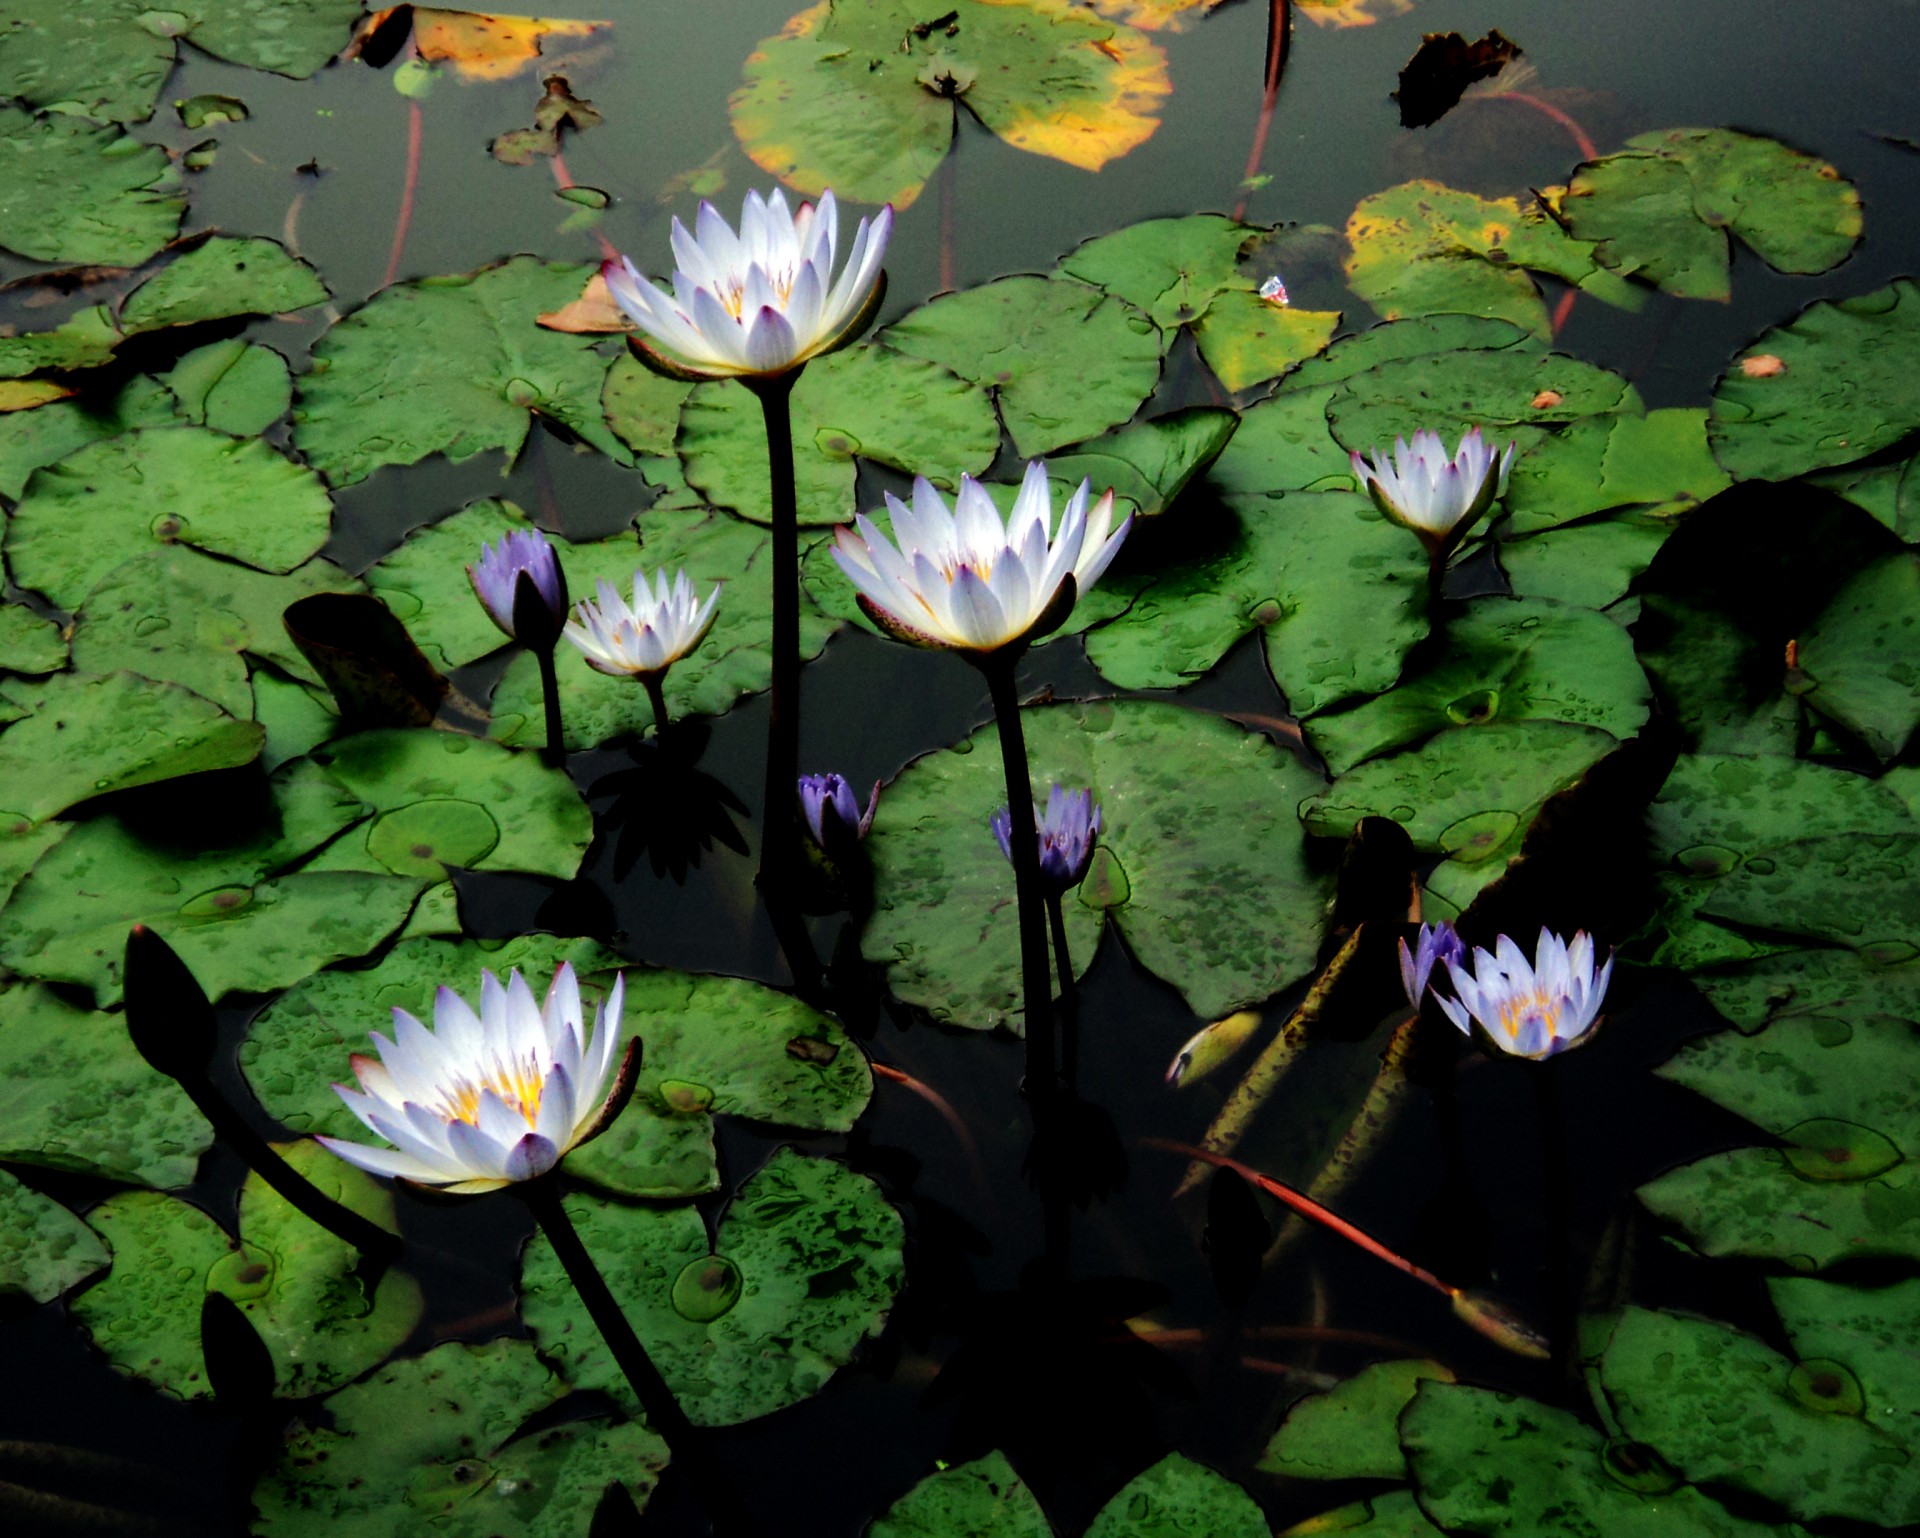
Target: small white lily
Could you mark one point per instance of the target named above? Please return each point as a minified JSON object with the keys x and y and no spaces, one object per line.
{"x":1437,"y":497}
{"x":1529,"y":1011}
{"x":645,"y":638}
{"x":761,"y":302}
{"x":485,"y":1100}
{"x":965,"y":580}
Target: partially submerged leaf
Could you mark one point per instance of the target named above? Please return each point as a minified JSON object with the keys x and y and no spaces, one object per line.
{"x":1442,"y":67}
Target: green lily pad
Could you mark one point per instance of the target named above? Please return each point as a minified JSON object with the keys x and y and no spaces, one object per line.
{"x":1393,"y":1515}
{"x":83,"y":736}
{"x":178,"y":616}
{"x":1199,"y":834}
{"x":862,"y":98}
{"x":453,"y":366}
{"x":1713,"y":679}
{"x":1178,"y":1497}
{"x":1246,"y":339}
{"x":1336,"y":592}
{"x":74,"y":191}
{"x":870,"y":402}
{"x":28,"y":643}
{"x":441,"y":799}
{"x":75,"y":1095}
{"x":1506,"y":659}
{"x":225,"y":275}
{"x":424,"y":582}
{"x":431,"y":1445}
{"x":1351,"y":1431}
{"x":1844,"y":388}
{"x":1470,"y":792}
{"x":44,"y":1249}
{"x":984,"y":1499}
{"x":1657,"y":209}
{"x":1422,"y":248}
{"x":1064,"y":360}
{"x":1417,"y":336}
{"x":1680,"y":1385}
{"x":1150,"y":463}
{"x":643,"y":407}
{"x":30,"y":439}
{"x":1507,"y":1467}
{"x":1809,"y":982}
{"x":1171,"y":268}
{"x":233,"y":386}
{"x":85,"y":339}
{"x":1860,"y":655}
{"x":1869,"y":1333}
{"x":733,"y":661}
{"x":297,"y":718}
{"x":817,"y":1251}
{"x":1859,"y":892}
{"x":1588,"y":564}
{"x":1891,"y":492}
{"x":83,"y":516}
{"x":1658,"y":460}
{"x":22,"y":842}
{"x":1285,"y":444}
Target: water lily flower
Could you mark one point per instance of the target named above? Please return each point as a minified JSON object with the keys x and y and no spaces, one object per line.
{"x":484,"y":1100}
{"x":1435,"y":943}
{"x":1438,"y":498}
{"x":963,"y":579}
{"x":833,"y":813}
{"x":645,"y":638}
{"x":1067,"y":831}
{"x":760,"y":302}
{"x":496,"y":579}
{"x":1529,"y":1011}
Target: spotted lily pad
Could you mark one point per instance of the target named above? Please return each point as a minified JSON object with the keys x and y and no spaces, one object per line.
{"x":424,"y":582}
{"x":1149,"y":463}
{"x":44,"y":1249}
{"x":1246,"y":339}
{"x":984,"y":1498}
{"x":1657,"y":460}
{"x":1860,"y":656}
{"x":74,"y":191}
{"x":861,"y":97}
{"x":1658,"y":208}
{"x":1202,"y":867}
{"x":1867,"y":1333}
{"x":1843,"y":889}
{"x":1175,"y":1497}
{"x":1173,"y":269}
{"x":453,"y":366}
{"x":868,"y":402}
{"x":815,"y":1250}
{"x":1337,"y":594}
{"x":1064,"y":360}
{"x":75,"y":1095}
{"x":1590,"y":564}
{"x":224,"y":275}
{"x":1809,"y":982}
{"x":1350,"y":1431}
{"x":30,"y":439}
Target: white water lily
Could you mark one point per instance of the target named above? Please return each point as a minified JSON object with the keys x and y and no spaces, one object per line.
{"x":645,"y":638}
{"x":485,"y":1100}
{"x":1436,"y":496}
{"x":1529,"y":1011}
{"x":962,"y":578}
{"x":760,"y":302}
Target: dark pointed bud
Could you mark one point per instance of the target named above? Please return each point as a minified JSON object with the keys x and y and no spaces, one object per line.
{"x":169,"y":1016}
{"x":239,"y":1366}
{"x":535,"y":625}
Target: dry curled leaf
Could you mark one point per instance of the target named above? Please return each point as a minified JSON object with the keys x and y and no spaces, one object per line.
{"x":1442,"y":68}
{"x":593,"y":314}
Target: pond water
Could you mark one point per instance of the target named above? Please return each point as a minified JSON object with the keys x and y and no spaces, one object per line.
{"x":1667,"y":696}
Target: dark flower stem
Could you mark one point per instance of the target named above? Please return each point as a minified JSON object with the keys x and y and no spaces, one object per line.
{"x":685,"y":1441}
{"x":550,"y":695}
{"x":657,"y":697}
{"x":783,"y":728}
{"x":1069,"y":993}
{"x":1557,"y":1193}
{"x":1036,"y":985}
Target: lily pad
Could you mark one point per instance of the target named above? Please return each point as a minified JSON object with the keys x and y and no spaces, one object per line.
{"x":1337,"y":594}
{"x":84,"y":735}
{"x":1202,"y":868}
{"x":1285,"y":444}
{"x":1841,"y":889}
{"x":1809,"y":982}
{"x":28,"y":643}
{"x":1351,"y":1431}
{"x":1658,"y":461}
{"x":83,"y":516}
{"x":643,"y":406}
{"x":1246,"y":339}
{"x":862,"y":97}
{"x":1150,"y":463}
{"x":233,"y":386}
{"x":1393,"y":1515}
{"x":431,"y":1445}
{"x":1589,"y":564}
{"x":44,"y":1249}
{"x":984,"y":1499}
{"x":1860,"y":655}
{"x":1064,"y":360}
{"x":1174,"y":269}
{"x":870,"y":402}
{"x":1657,"y":209}
{"x":1177,"y":1497}
{"x":1831,"y":386}
{"x":83,"y":340}
{"x":75,"y":1095}
{"x":1506,"y":659}
{"x":424,"y":582}
{"x":1868,"y":1332}
{"x":74,"y":191}
{"x":225,"y":275}
{"x":815,"y":1248}
{"x":453,"y":366}
{"x":734,"y":660}
{"x":30,"y":439}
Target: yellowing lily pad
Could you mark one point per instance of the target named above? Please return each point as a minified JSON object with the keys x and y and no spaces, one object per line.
{"x":481,"y":46}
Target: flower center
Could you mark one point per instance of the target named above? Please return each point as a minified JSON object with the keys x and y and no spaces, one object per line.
{"x":518,"y":1084}
{"x":1523,"y":1009}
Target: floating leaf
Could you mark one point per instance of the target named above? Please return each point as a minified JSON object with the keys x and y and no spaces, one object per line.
{"x":815,"y":1250}
{"x":30,"y":439}
{"x":1285,"y":444}
{"x":1657,"y":209}
{"x":869,"y":401}
{"x":1063,"y":360}
{"x":558,"y":109}
{"x":453,"y":366}
{"x":1341,"y":14}
{"x":481,"y":46}
{"x":644,"y":407}
{"x":1658,"y":460}
{"x":1442,"y":67}
{"x":222,"y":276}
{"x":85,"y":339}
{"x":1246,"y":339}
{"x":861,"y":96}
{"x":984,"y":1499}
{"x":25,"y":394}
{"x":44,"y":1249}
{"x":424,"y":582}
{"x":1205,"y":872}
{"x":75,"y":1095}
{"x":1844,"y":388}
{"x":82,"y":736}
{"x":1149,"y":463}
{"x":1337,"y":594}
{"x":1588,"y":564}
{"x":1868,"y":1332}
{"x":1846,"y":890}
{"x":1351,"y":1431}
{"x":1809,"y":982}
{"x":1393,"y":1515}
{"x":28,"y":643}
{"x":1177,"y":1497}
{"x":233,"y":386}
{"x":1171,"y":268}
{"x":74,"y":191}
{"x":1860,"y":655}
{"x":85,"y":515}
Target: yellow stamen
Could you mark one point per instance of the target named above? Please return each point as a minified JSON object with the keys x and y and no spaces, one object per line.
{"x":519,"y":1085}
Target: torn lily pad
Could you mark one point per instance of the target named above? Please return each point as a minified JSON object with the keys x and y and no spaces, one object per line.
{"x":1350,"y":1431}
{"x":233,"y":387}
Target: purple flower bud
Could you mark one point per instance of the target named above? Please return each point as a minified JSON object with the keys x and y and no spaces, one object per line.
{"x":833,"y":813}
{"x":1437,"y":943}
{"x":1067,"y":831}
{"x":496,"y":575}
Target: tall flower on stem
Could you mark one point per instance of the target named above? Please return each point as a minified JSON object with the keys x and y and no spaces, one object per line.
{"x":1439,"y":498}
{"x":1065,"y":836}
{"x":755,"y":306}
{"x":523,"y":588}
{"x":644,"y":638}
{"x":964,"y":580}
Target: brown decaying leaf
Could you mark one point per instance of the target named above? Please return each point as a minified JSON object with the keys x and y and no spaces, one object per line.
{"x":593,"y":314}
{"x":478,"y":46}
{"x":557,"y":110}
{"x":1442,"y":68}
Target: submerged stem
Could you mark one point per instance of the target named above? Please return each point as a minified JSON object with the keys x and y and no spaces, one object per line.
{"x":1069,"y":993}
{"x":1036,"y":986}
